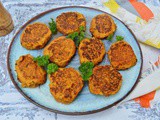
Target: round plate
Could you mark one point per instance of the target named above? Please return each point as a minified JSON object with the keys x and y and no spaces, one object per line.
{"x":86,"y":102}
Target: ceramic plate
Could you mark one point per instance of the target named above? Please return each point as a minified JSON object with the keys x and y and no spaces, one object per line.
{"x":86,"y":102}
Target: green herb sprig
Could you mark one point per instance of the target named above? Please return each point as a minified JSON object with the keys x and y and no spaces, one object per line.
{"x":119,"y":38}
{"x":51,"y":68}
{"x":110,"y":37}
{"x":78,"y":36}
{"x":86,"y":70}
{"x":53,"y":26}
{"x":44,"y":62}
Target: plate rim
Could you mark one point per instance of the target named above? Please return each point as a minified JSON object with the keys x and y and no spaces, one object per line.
{"x":58,"y":111}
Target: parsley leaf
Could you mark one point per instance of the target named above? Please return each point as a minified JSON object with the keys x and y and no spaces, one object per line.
{"x":73,"y":36}
{"x":81,"y":28}
{"x":110,"y":37}
{"x":119,"y":38}
{"x":86,"y":70}
{"x":78,"y":36}
{"x":51,"y":68}
{"x":52,"y":26}
{"x":42,"y":60}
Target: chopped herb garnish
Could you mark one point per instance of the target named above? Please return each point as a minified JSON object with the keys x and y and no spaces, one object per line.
{"x":110,"y":37}
{"x":119,"y":38}
{"x":51,"y":68}
{"x":78,"y":36}
{"x":42,"y":60}
{"x":81,"y":28}
{"x":73,"y":36}
{"x":86,"y":70}
{"x":52,"y":26}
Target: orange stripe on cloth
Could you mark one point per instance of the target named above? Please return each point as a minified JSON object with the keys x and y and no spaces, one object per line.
{"x":144,"y":100}
{"x":142,"y":9}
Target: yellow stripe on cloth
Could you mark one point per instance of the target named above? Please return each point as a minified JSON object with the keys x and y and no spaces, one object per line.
{"x":138,"y":20}
{"x":112,"y":5}
{"x":158,"y":88}
{"x":149,"y":42}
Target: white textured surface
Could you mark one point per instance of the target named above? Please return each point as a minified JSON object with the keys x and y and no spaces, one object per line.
{"x":14,"y":106}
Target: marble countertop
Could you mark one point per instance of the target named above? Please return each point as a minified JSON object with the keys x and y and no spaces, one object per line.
{"x":14,"y":106}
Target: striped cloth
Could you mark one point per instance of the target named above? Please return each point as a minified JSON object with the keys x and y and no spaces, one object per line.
{"x":142,"y":19}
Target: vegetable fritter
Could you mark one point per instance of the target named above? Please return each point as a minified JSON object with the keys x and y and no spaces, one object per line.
{"x":60,"y":50}
{"x":105,"y":81}
{"x":121,"y":55}
{"x":65,"y":85}
{"x":35,"y":36}
{"x":91,"y":50}
{"x":102,"y":26}
{"x":70,"y":22}
{"x":29,"y":73}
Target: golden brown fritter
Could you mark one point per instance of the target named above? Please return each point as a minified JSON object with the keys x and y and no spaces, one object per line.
{"x":60,"y":50}
{"x":121,"y":55}
{"x":70,"y":22}
{"x":35,"y":36}
{"x":65,"y":85}
{"x":102,"y":26}
{"x":91,"y":50}
{"x":29,"y":73}
{"x":105,"y":80}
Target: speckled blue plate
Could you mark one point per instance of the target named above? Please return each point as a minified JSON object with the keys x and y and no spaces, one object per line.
{"x":86,"y":102}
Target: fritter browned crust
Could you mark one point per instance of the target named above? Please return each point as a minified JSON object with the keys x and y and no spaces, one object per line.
{"x":91,"y":50}
{"x":60,"y":50}
{"x":29,"y":73}
{"x":105,"y":81}
{"x":65,"y":85}
{"x":70,"y":22}
{"x":102,"y":26}
{"x":121,"y":55}
{"x":35,"y":36}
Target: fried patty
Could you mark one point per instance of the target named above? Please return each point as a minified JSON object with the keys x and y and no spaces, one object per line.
{"x":29,"y":73}
{"x":35,"y":36}
{"x":121,"y":55}
{"x":70,"y":22}
{"x":65,"y":85}
{"x":60,"y":50}
{"x":105,"y":80}
{"x":102,"y":26}
{"x":91,"y":50}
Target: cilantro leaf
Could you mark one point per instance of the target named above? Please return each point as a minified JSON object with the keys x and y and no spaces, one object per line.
{"x":51,"y":68}
{"x":42,"y":60}
{"x":110,"y":37}
{"x":86,"y":70}
{"x":119,"y":38}
{"x":52,"y":26}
